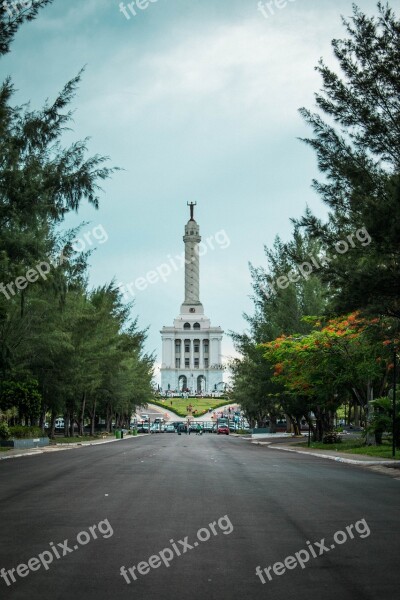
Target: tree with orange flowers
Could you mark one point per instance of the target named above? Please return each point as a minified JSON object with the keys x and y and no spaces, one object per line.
{"x":344,"y":356}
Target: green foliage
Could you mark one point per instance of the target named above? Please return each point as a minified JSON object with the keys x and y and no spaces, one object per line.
{"x":21,"y":433}
{"x":4,"y":431}
{"x":356,"y":137}
{"x":277,"y":311}
{"x":24,"y":396}
{"x":332,"y":437}
{"x":381,"y":420}
{"x":195,"y":402}
{"x":357,"y":143}
{"x":64,"y":348}
{"x":9,"y":25}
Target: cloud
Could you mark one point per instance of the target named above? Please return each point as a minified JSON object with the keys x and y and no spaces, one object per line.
{"x":245,"y":73}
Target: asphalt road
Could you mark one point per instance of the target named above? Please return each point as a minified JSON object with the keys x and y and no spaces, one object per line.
{"x":257,"y":507}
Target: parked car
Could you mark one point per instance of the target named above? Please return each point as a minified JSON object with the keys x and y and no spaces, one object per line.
{"x":169,"y":428}
{"x":176,"y":424}
{"x":223,"y":429}
{"x":208,"y":426}
{"x":155,"y":428}
{"x":145,"y":417}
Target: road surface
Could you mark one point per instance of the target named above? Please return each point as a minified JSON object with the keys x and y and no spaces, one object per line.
{"x":131,"y":504}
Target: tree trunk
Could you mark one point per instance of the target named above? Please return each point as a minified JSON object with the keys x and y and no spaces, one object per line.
{"x":82,"y":415}
{"x":52,"y":424}
{"x":93,"y":418}
{"x":66,"y":424}
{"x":369,"y":412}
{"x":356,"y":415}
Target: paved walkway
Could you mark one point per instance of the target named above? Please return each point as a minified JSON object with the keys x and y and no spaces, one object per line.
{"x":345,"y":457}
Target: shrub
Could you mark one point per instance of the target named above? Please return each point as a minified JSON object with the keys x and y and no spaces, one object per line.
{"x":4,"y":431}
{"x":331,"y":437}
{"x":21,"y":433}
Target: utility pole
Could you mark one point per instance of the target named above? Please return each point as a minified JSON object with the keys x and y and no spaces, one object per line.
{"x":394,"y":402}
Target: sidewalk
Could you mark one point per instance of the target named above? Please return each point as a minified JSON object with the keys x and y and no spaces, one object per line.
{"x":18,"y":453}
{"x":344,"y":457}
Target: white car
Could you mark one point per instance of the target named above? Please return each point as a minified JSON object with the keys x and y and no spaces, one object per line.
{"x":155,"y":428}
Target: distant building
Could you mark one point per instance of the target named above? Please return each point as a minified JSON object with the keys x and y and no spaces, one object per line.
{"x":191,"y":348}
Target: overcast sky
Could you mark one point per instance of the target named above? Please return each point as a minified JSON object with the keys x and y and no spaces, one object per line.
{"x":198,"y":101}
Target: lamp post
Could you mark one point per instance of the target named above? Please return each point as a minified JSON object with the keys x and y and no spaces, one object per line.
{"x":394,"y":402}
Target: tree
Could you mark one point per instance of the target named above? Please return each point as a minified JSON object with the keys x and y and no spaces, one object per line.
{"x":344,"y":356}
{"x":79,"y":346}
{"x":277,"y":310}
{"x":357,"y":143}
{"x":12,"y":17}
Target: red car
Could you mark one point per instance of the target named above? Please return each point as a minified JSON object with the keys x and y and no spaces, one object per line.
{"x":223,"y":429}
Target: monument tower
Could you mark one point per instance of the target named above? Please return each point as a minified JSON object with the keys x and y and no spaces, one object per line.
{"x":191,"y":348}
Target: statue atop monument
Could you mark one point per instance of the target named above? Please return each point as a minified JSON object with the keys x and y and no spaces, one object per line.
{"x":192,"y":205}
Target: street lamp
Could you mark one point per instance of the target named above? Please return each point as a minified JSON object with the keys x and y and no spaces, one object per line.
{"x":394,"y":401}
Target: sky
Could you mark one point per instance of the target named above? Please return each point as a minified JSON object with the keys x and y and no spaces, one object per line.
{"x":196,"y":101}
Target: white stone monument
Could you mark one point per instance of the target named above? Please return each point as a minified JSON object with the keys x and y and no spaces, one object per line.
{"x":191,"y":348}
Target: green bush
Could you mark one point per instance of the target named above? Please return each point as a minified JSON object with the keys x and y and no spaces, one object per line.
{"x":20,"y":432}
{"x":331,"y":437}
{"x":4,"y":431}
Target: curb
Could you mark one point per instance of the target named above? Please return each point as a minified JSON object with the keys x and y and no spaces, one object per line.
{"x":60,"y":447}
{"x":341,"y":459}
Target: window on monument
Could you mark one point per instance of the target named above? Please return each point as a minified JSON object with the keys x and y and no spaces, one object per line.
{"x":206,"y":363}
{"x":196,"y":363}
{"x":177,"y":363}
{"x":187,"y":364}
{"x":178,"y":346}
{"x":186,"y":326}
{"x":187,"y":348}
{"x":196,"y":346}
{"x":206,"y":348}
{"x":196,"y":326}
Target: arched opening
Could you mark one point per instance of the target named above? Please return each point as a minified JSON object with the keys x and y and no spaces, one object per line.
{"x":182,"y":383}
{"x":186,"y":326}
{"x":201,"y":384}
{"x":196,"y":326}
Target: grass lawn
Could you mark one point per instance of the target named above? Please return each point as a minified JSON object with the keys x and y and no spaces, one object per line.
{"x":356,"y":446}
{"x":3,"y":449}
{"x":201,"y":404}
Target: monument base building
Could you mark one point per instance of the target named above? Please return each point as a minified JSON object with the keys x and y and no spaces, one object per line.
{"x":191,"y":348}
